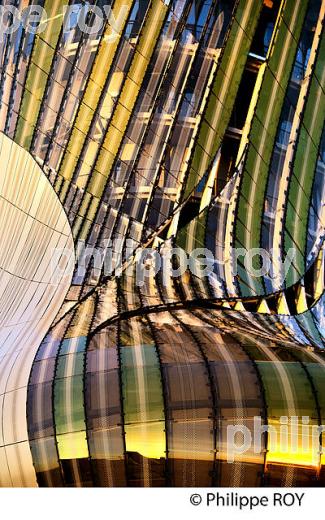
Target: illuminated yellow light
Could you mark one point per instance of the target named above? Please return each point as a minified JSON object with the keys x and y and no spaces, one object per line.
{"x":300,"y":459}
{"x":295,"y":449}
{"x":320,"y":276}
{"x":72,"y":445}
{"x":283,"y":306}
{"x":263,"y":307}
{"x":147,"y":439}
{"x":302,"y":302}
{"x":239,"y":306}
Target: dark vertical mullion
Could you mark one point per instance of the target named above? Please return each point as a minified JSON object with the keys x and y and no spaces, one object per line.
{"x":120,"y":369}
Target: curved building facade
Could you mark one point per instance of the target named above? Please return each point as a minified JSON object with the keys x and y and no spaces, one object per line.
{"x":162,"y":228}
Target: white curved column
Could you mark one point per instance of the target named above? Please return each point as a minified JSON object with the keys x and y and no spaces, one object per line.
{"x":34,"y":279}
